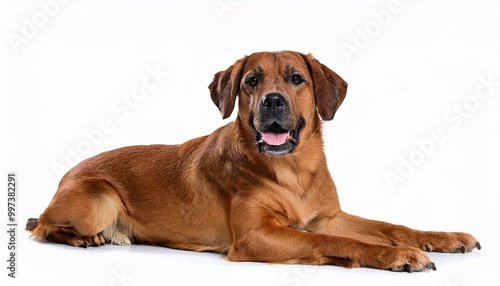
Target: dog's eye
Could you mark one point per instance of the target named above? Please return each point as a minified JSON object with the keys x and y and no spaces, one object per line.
{"x":252,"y":81}
{"x":297,"y":79}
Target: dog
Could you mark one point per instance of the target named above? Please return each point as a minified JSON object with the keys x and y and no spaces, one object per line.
{"x":257,"y":189}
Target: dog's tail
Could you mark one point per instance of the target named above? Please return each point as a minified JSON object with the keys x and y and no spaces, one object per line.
{"x":31,"y":224}
{"x":38,"y":231}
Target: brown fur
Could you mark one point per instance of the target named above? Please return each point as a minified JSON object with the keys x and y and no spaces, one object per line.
{"x":219,"y":193}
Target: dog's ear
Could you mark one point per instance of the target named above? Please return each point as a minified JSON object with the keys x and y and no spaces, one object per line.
{"x":225,"y":87}
{"x":329,"y":88}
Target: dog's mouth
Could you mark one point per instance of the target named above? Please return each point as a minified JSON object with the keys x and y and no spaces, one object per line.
{"x":274,"y":140}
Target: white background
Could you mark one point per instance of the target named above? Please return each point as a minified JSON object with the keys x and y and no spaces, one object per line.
{"x":65,"y":67}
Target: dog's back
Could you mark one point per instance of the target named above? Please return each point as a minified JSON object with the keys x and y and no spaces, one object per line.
{"x":145,"y":194}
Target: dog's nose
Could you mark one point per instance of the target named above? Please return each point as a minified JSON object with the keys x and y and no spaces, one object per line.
{"x":273,"y":102}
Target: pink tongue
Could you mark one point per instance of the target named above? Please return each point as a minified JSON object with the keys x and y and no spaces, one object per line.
{"x":275,"y":139}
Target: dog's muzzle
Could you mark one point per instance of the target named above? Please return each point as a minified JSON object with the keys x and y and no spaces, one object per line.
{"x":276,"y":134}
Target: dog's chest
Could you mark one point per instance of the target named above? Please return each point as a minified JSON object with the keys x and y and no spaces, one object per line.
{"x":297,"y":198}
{"x":292,"y":179}
{"x":304,"y":221}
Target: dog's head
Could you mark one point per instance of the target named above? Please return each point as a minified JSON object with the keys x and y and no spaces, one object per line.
{"x":279,"y":95}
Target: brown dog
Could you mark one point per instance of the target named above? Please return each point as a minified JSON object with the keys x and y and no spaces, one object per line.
{"x":257,"y":189}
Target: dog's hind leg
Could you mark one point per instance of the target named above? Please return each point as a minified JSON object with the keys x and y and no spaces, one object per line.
{"x":82,"y":213}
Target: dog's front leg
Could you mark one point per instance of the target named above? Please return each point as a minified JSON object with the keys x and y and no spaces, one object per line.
{"x":372,"y":231}
{"x":263,"y":234}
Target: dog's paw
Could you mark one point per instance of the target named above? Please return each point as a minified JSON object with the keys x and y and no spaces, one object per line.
{"x":450,"y":242}
{"x":402,"y":259}
{"x":120,"y":238}
{"x":86,"y":241}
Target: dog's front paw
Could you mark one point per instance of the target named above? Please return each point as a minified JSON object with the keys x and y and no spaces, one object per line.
{"x":451,"y":242}
{"x":401,"y":259}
